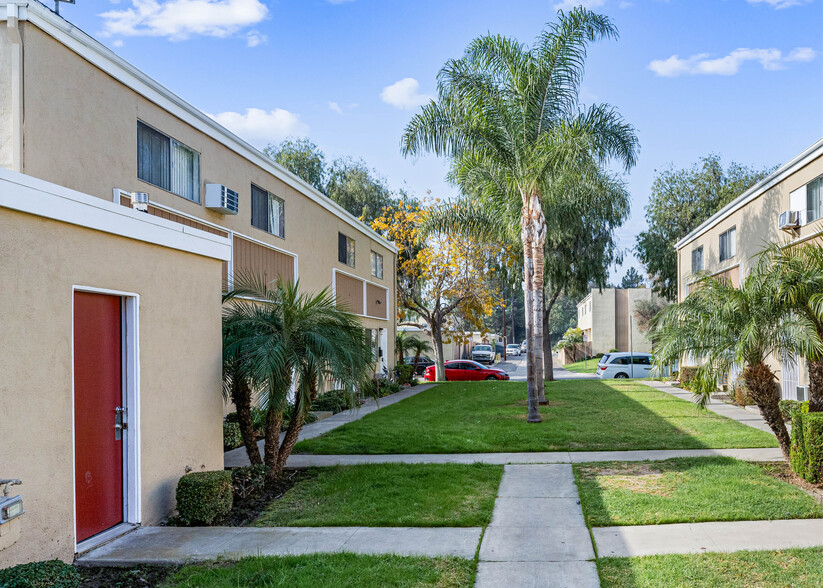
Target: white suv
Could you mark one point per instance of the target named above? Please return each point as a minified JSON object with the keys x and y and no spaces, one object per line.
{"x":483,"y":354}
{"x":625,"y":365}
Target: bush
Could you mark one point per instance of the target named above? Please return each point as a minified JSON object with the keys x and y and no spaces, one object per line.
{"x":231,"y":436}
{"x":806,"y":456}
{"x":789,"y":407}
{"x":258,"y":420}
{"x":404,"y":373}
{"x":740,"y":394}
{"x":205,"y":498}
{"x":687,"y":375}
{"x":249,"y":480}
{"x":40,"y":574}
{"x":333,"y":400}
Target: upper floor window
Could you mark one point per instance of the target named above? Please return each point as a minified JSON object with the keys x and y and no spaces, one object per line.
{"x":345,"y":249}
{"x":376,"y":265}
{"x":697,"y":260}
{"x":268,"y":212}
{"x":728,"y":244}
{"x":814,"y":195}
{"x":168,"y":164}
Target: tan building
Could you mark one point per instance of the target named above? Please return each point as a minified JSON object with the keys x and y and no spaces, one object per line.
{"x":786,"y":206}
{"x":607,"y":321}
{"x":84,"y":131}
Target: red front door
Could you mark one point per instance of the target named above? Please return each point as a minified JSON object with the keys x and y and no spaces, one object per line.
{"x":98,"y":391}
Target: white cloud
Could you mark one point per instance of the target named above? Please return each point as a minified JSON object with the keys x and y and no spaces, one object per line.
{"x":404,"y":94}
{"x":769,"y":59}
{"x":260,"y":127}
{"x":255,"y":38}
{"x":180,"y":19}
{"x":778,"y":4}
{"x":117,"y":43}
{"x":569,"y":4}
{"x":335,"y":107}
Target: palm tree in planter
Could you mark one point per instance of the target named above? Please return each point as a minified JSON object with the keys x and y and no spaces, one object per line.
{"x":724,"y":327}
{"x":291,"y":346}
{"x":510,"y":115}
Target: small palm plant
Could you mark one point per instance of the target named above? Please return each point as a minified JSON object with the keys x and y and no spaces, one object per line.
{"x":290,"y":347}
{"x":419,"y":346}
{"x":723,"y":327}
{"x":402,"y":344}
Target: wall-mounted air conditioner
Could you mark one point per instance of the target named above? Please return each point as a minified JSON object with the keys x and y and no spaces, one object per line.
{"x":221,"y":199}
{"x":789,"y":220}
{"x":802,"y":393}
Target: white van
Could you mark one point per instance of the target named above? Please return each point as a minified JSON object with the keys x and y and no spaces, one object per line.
{"x":625,"y":365}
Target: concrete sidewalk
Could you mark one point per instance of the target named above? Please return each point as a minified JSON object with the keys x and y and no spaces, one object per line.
{"x":704,"y":537}
{"x":558,"y":457}
{"x":175,"y":545}
{"x":238,"y":457}
{"x":537,"y":535}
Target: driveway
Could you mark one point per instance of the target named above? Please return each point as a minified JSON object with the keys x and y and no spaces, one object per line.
{"x":516,"y":366}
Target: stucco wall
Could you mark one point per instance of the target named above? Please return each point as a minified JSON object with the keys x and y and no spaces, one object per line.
{"x":180,"y":368}
{"x":87,"y":140}
{"x":6,"y":141}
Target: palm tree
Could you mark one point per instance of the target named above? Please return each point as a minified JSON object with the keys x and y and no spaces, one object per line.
{"x":726,"y":327}
{"x":290,"y":343}
{"x":238,"y":384}
{"x":509,"y":119}
{"x":797,"y":278}
{"x":419,"y":346}
{"x":402,"y":343}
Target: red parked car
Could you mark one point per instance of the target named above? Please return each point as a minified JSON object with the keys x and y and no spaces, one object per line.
{"x":461,"y":370}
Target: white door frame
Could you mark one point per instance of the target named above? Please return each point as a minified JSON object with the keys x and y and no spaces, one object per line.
{"x":130,"y":345}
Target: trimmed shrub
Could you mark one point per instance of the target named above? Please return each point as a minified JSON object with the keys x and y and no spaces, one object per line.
{"x":687,"y":375}
{"x":258,"y":420}
{"x":806,"y":457}
{"x":40,"y":574}
{"x":789,"y":407}
{"x":205,"y":498}
{"x":249,"y":480}
{"x":231,"y":436}
{"x":797,"y":455}
{"x":404,"y":373}
{"x":333,"y":400}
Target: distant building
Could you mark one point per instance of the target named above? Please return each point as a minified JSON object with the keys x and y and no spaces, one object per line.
{"x":607,"y":321}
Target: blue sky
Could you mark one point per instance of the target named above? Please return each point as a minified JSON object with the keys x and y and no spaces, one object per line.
{"x":742,"y":78}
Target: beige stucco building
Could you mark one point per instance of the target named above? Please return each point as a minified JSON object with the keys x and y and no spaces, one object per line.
{"x":83,"y":136}
{"x":784,"y":207}
{"x":606,"y":319}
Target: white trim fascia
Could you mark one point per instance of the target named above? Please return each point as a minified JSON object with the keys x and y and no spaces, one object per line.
{"x":807,"y":156}
{"x":102,"y":57}
{"x":40,"y":198}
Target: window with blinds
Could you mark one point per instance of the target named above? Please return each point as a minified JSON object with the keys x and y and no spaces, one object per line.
{"x":268,"y":212}
{"x":345,"y":249}
{"x":167,"y":164}
{"x":728,"y":244}
{"x":814,"y":194}
{"x":697,"y":260}
{"x":376,"y":265}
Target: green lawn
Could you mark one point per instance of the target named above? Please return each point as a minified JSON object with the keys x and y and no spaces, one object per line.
{"x":798,"y":568}
{"x":338,"y":570}
{"x":687,"y":490}
{"x":389,"y":495}
{"x":473,"y":417}
{"x":585,"y":366}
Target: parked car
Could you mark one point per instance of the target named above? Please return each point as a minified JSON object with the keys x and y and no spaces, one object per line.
{"x":625,"y":365}
{"x":513,"y":349}
{"x":524,"y":347}
{"x":425,"y":361}
{"x":460,"y":370}
{"x":483,"y":354}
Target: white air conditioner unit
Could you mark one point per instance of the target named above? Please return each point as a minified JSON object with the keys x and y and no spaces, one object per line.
{"x":221,"y":199}
{"x":139,"y":201}
{"x":789,"y":220}
{"x":802,"y":393}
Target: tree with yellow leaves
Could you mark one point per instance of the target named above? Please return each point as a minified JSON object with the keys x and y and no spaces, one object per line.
{"x":439,"y":277}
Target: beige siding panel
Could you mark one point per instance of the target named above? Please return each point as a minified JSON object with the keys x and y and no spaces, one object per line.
{"x":250,"y":257}
{"x":376,"y":303}
{"x":349,"y":292}
{"x":155,"y":211}
{"x":621,"y":315}
{"x":733,"y":275}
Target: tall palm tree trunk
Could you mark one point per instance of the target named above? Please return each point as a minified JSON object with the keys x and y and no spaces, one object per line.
{"x":816,"y":385}
{"x":762,"y":386}
{"x":530,"y":231}
{"x":538,"y":255}
{"x":241,"y":396}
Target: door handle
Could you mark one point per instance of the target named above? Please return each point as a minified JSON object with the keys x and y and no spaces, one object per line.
{"x":120,"y":423}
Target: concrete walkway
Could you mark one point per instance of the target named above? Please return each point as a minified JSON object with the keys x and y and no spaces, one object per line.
{"x":537,"y":535}
{"x":741,"y":415}
{"x":238,"y":457}
{"x":175,"y":545}
{"x":703,"y":537}
{"x":546,"y":457}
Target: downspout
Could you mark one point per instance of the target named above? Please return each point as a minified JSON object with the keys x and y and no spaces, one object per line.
{"x":16,"y":86}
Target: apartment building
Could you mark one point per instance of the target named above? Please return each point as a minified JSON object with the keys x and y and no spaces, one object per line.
{"x":787,"y":206}
{"x":124,"y":212}
{"x":606,"y":319}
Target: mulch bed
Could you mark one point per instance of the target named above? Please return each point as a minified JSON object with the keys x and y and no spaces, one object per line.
{"x":139,"y":577}
{"x":248,"y":510}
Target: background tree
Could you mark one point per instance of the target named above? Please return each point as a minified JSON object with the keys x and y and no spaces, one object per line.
{"x":632,"y":279}
{"x":562,"y":316}
{"x":572,"y":340}
{"x":645,"y":312}
{"x":438,"y":276}
{"x":358,"y":189}
{"x":509,"y":118}
{"x":303,"y":158}
{"x":419,"y":346}
{"x":680,"y":200}
{"x":402,"y":344}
